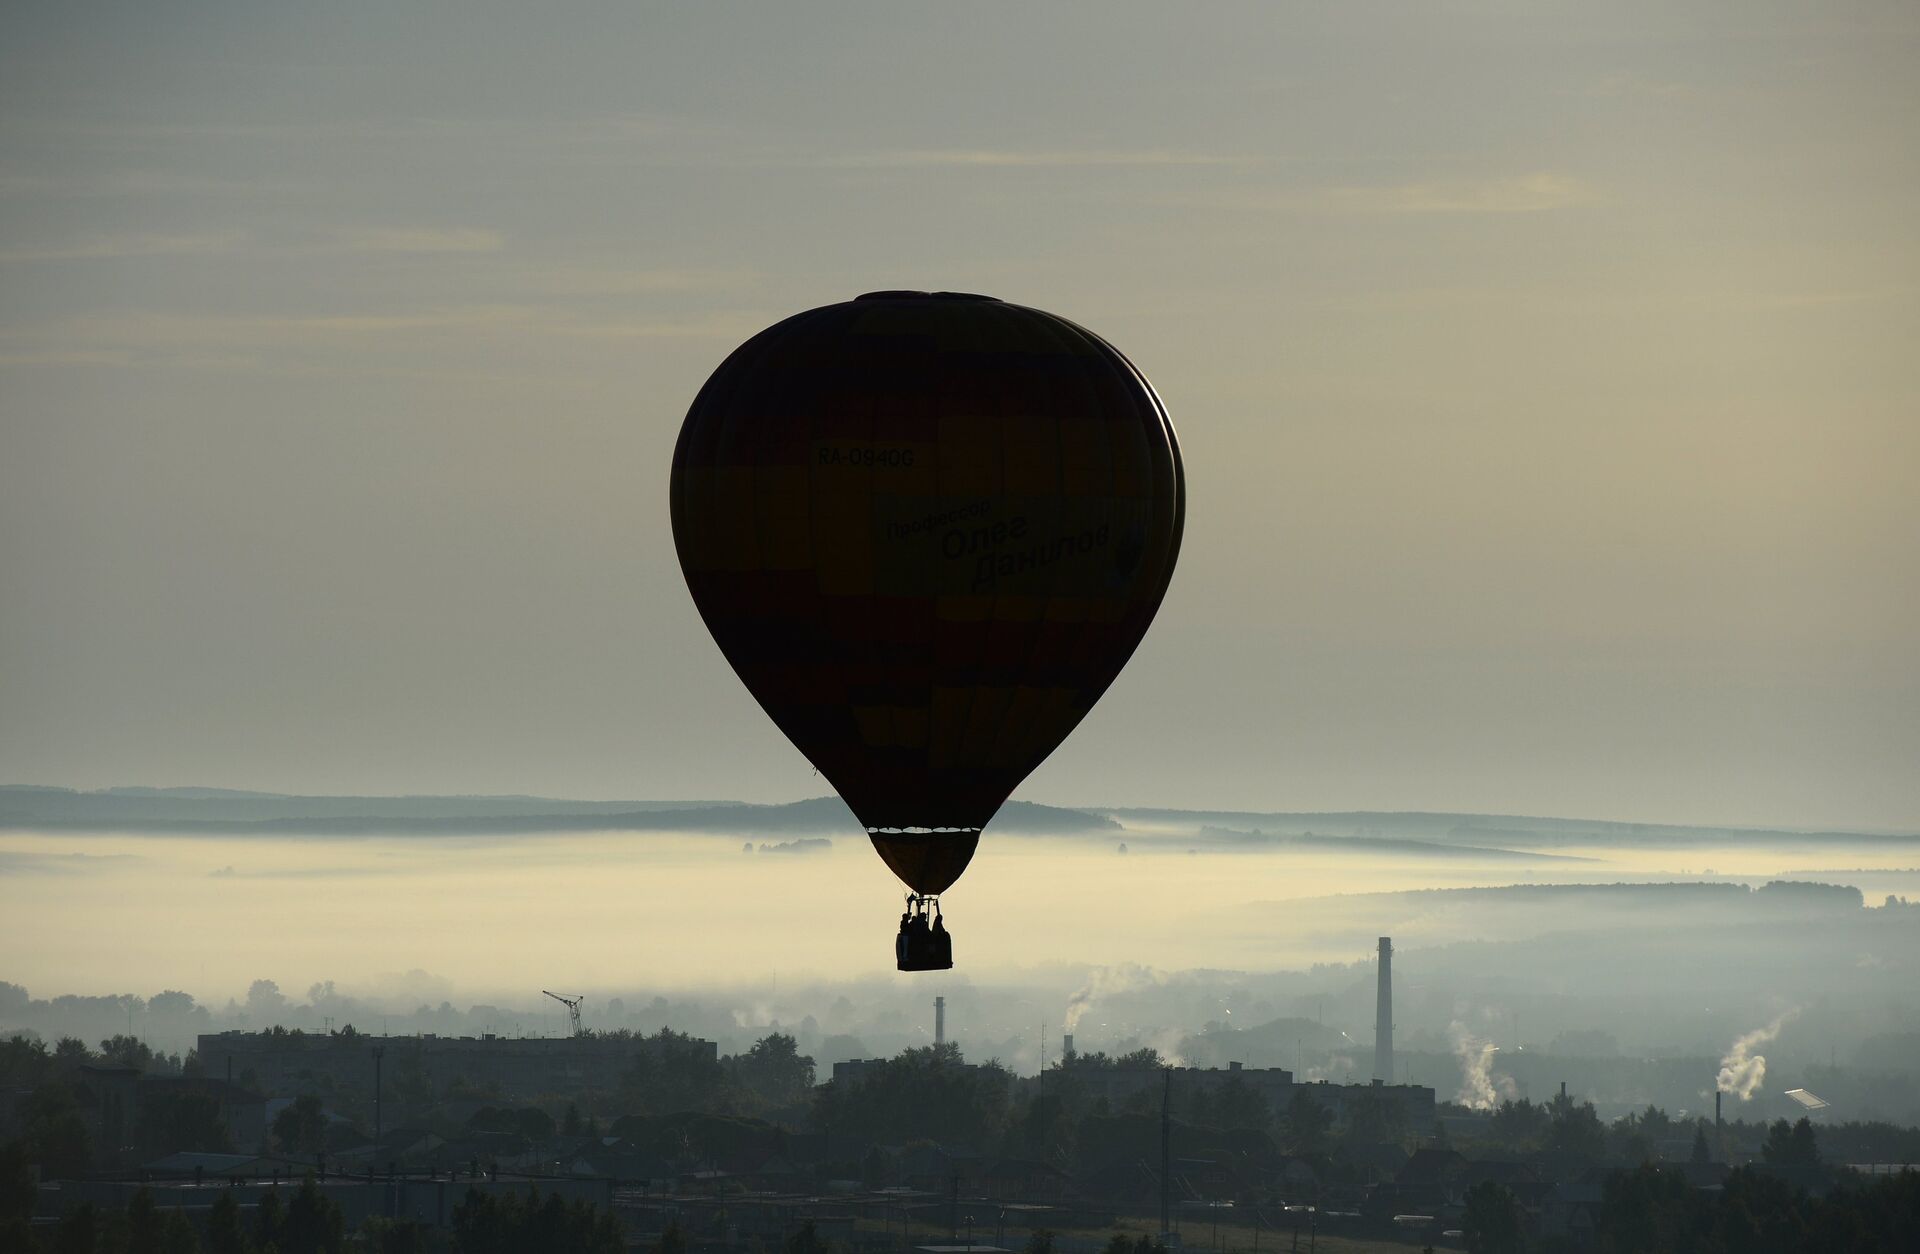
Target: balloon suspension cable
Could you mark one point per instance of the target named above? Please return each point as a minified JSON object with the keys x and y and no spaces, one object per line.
{"x":924,"y":944}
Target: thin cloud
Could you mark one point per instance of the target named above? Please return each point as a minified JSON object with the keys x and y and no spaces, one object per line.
{"x":69,"y":357}
{"x":321,"y":873}
{"x":230,"y":342}
{"x":462,"y":317}
{"x":723,"y":326}
{"x":26,"y":862}
{"x":1522,"y":193}
{"x":417,"y":240}
{"x":365,"y":240}
{"x":585,"y":281}
{"x":1526,"y":193}
{"x":977,"y":158}
{"x":140,"y":184}
{"x":145,"y":330}
{"x":116,"y":246}
{"x":1629,"y":86}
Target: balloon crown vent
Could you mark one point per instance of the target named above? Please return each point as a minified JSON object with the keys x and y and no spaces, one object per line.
{"x":904,"y":294}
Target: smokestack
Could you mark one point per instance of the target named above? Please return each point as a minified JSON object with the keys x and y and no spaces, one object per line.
{"x":1383,"y":1017}
{"x":1066,"y":1049}
{"x":939,"y":1021}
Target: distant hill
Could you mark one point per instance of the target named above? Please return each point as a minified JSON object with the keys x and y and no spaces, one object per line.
{"x":30,"y":805}
{"x":1791,"y":895}
{"x":1408,"y":833}
{"x":1484,"y":830}
{"x":1229,"y":838}
{"x":1278,"y":1043}
{"x":216,"y":810}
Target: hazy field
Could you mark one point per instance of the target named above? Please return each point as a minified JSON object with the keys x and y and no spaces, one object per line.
{"x":598,"y":910}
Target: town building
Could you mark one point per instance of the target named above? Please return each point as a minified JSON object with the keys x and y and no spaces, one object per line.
{"x":287,"y":1064}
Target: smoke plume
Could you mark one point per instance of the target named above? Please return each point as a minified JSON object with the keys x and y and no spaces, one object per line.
{"x":1106,"y":981}
{"x":1742,"y":1070}
{"x":1480,"y":1089}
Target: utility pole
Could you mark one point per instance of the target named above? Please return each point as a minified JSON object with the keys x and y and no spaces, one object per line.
{"x":379,"y":1052}
{"x":1166,"y":1155}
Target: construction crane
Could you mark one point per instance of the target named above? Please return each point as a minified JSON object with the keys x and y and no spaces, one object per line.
{"x":573,"y":1008}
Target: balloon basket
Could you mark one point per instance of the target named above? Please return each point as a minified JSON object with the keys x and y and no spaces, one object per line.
{"x":923,"y":943}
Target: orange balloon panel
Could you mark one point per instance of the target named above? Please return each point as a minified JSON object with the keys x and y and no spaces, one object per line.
{"x":927,"y":531}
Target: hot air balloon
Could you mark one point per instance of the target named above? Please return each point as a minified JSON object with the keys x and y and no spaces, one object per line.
{"x":927,"y":530}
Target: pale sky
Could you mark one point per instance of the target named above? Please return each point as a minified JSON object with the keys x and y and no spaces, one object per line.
{"x":1546,"y":376}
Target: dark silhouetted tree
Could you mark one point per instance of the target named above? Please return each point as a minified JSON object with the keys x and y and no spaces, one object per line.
{"x":24,"y":1061}
{"x":923,"y":1088}
{"x":142,"y":1224}
{"x":177,"y":1235}
{"x":1519,"y":1125}
{"x":1574,"y":1131}
{"x":313,"y":1223}
{"x":673,"y":1072}
{"x":267,"y":1217}
{"x":16,"y":1198}
{"x":505,"y":1223}
{"x":127,"y":1051}
{"x":266,"y":1005}
{"x":77,"y":1232}
{"x":1307,"y":1124}
{"x":302,"y":1127}
{"x":1794,"y":1146}
{"x":53,"y":1132}
{"x":774,"y":1070}
{"x":1646,"y":1211}
{"x":225,"y":1235}
{"x":396,"y":1236}
{"x":1491,"y":1224}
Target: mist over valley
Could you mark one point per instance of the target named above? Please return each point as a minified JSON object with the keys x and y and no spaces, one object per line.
{"x":1624,"y":959}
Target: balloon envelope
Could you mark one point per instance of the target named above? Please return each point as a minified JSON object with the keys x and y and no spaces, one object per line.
{"x":927,"y":531}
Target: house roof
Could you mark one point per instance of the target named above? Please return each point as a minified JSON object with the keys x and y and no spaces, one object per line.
{"x":1429,"y":1165}
{"x":221,"y":1090}
{"x":1010,"y":1168}
{"x":185,"y":1163}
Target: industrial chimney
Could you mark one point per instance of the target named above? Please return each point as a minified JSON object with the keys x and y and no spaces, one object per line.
{"x":1383,"y":1017}
{"x":939,"y":1021}
{"x":1066,"y":1049}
